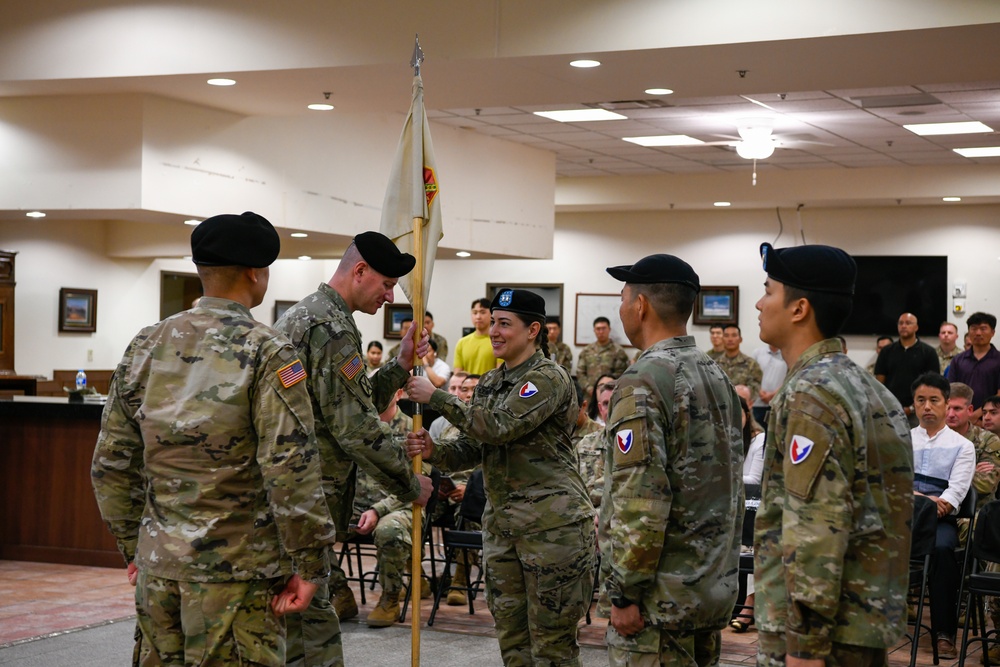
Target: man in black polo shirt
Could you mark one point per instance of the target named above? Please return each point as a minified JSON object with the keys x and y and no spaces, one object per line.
{"x":904,"y":361}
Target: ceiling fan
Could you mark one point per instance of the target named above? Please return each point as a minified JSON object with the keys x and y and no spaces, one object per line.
{"x":756,"y":140}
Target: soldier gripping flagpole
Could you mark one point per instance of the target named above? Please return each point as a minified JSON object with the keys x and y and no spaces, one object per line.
{"x":411,"y":217}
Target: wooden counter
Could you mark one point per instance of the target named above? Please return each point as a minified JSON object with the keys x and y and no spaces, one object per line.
{"x":47,"y":507}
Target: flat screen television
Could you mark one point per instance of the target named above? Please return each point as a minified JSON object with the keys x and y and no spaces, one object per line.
{"x":888,"y":286}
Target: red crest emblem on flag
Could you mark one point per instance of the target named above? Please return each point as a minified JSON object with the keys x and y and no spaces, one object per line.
{"x":430,"y":185}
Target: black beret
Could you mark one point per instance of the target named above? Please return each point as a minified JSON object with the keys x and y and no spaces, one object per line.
{"x":383,"y":255}
{"x":817,"y":268}
{"x":657,"y":269}
{"x":519,"y":301}
{"x":235,"y":240}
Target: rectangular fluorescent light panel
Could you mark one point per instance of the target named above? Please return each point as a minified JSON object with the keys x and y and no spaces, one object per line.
{"x":665,"y":140}
{"x":580,"y":115}
{"x":929,"y":129}
{"x":982,"y":151}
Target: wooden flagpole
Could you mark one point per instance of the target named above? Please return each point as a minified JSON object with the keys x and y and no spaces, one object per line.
{"x":416,"y":555}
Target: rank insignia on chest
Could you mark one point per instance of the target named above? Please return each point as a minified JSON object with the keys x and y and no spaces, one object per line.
{"x":291,"y":374}
{"x":624,"y":440}
{"x":800,"y":449}
{"x":527,"y":390}
{"x":352,"y":367}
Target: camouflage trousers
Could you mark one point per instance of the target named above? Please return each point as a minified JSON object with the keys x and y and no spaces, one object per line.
{"x":538,"y":587}
{"x":189,"y":623}
{"x":654,"y":647}
{"x":771,"y":653}
{"x":314,"y":635}
{"x":393,"y":540}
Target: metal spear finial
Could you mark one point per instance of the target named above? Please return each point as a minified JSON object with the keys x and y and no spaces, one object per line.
{"x":418,"y":56}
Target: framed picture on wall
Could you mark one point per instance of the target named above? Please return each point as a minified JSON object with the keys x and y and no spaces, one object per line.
{"x":280,"y":307}
{"x":77,"y":310}
{"x":717,"y":305}
{"x":395,"y":313}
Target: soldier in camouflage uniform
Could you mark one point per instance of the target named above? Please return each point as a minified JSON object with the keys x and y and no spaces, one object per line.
{"x":832,"y":538}
{"x":673,"y":490}
{"x":602,"y":357}
{"x":347,"y":403}
{"x":206,"y":469}
{"x":987,"y":475}
{"x":538,"y":531}
{"x":739,"y":368}
{"x":715,"y":335}
{"x":559,"y":351}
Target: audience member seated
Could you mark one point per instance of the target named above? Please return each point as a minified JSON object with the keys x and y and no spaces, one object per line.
{"x":591,"y":448}
{"x":943,"y":465}
{"x":715,"y":335}
{"x":959,"y":420}
{"x":991,"y":415}
{"x":390,"y":521}
{"x":434,"y":367}
{"x":904,"y":361}
{"x":373,"y":357}
{"x":774,"y":368}
{"x":454,"y":388}
{"x":978,"y":367}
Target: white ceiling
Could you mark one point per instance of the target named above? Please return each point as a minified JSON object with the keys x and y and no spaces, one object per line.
{"x":813,"y":88}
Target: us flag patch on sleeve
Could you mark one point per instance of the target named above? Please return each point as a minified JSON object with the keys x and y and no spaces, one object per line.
{"x":291,"y":374}
{"x":352,"y":367}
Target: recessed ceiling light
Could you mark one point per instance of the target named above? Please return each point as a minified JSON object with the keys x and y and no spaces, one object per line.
{"x":193,"y":223}
{"x":929,"y":129}
{"x":35,"y":214}
{"x":305,"y":258}
{"x":585,"y":63}
{"x":462,"y":253}
{"x":580,"y":115}
{"x":982,"y":151}
{"x":665,"y":140}
{"x":722,"y":204}
{"x":951,"y":199}
{"x":222,"y":82}
{"x":659,"y":91}
{"x":299,"y":235}
{"x":321,"y":107}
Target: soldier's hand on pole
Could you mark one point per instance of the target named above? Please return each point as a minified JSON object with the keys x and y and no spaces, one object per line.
{"x":295,"y":597}
{"x":419,"y":444}
{"x":405,"y":357}
{"x":426,"y":488}
{"x":419,"y":389}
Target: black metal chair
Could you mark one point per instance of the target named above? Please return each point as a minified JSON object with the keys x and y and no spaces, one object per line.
{"x":462,"y":540}
{"x":984,"y":546}
{"x":751,"y":493}
{"x":922,"y":538}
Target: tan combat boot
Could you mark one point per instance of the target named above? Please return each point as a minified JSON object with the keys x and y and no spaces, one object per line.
{"x":461,"y":578}
{"x":344,"y":603}
{"x":425,"y":588}
{"x":387,"y":611}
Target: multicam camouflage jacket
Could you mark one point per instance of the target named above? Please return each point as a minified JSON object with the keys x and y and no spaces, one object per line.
{"x":832,"y":537}
{"x":672,"y":510}
{"x":206,"y":467}
{"x":519,"y":426}
{"x":347,"y":402}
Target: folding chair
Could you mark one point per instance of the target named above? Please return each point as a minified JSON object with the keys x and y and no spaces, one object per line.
{"x":984,"y":545}
{"x":751,"y":493}
{"x":463,"y":540}
{"x":922,"y":538}
{"x":357,"y":546}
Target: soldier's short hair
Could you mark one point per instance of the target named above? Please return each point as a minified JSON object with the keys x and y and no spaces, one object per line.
{"x":672,"y":302}
{"x":993,"y":400}
{"x":484,"y":302}
{"x":830,"y":309}
{"x":982,"y":318}
{"x":934,"y":381}
{"x":601,"y":319}
{"x":962,"y":390}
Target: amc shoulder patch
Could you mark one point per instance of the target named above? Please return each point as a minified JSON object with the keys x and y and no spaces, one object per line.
{"x":627,"y":428}
{"x":291,"y":374}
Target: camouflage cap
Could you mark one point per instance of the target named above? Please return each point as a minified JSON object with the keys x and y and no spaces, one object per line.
{"x":519,"y":301}
{"x":816,"y":268}
{"x":235,"y":240}
{"x":658,"y":268}
{"x":383,"y":255}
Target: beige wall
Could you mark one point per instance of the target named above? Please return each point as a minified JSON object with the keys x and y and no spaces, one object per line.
{"x":721,"y":245}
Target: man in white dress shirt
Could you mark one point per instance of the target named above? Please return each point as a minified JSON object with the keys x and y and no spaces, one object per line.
{"x":943,"y":465}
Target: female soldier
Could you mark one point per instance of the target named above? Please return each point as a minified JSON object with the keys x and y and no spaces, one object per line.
{"x":538,"y":526}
